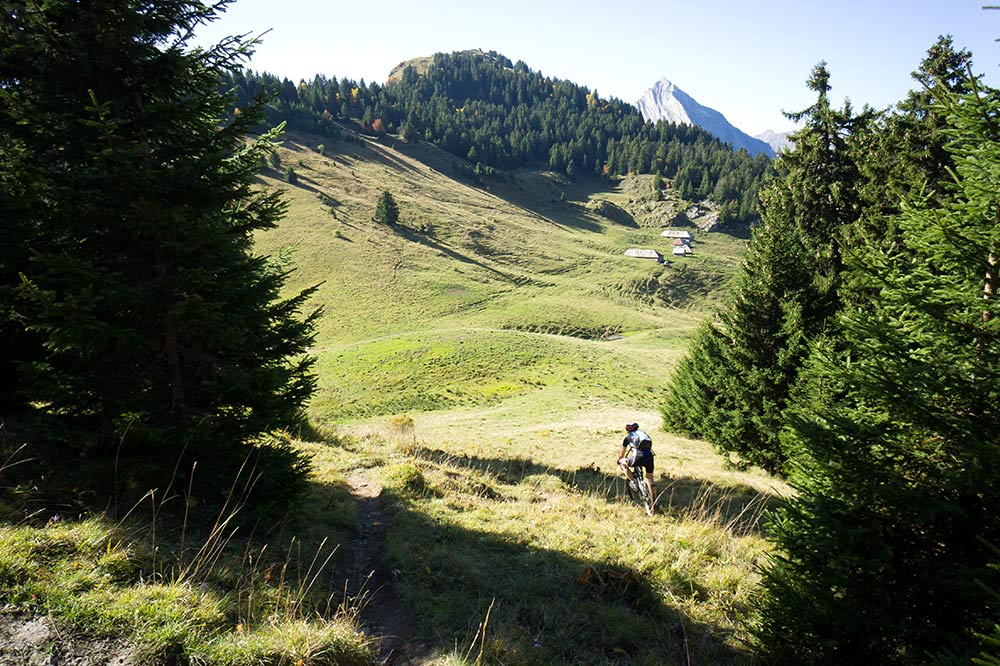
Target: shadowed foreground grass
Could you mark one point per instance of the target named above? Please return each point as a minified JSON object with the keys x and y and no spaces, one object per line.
{"x":500,"y":557}
{"x":101,"y":582}
{"x":191,"y":593}
{"x":505,"y":559}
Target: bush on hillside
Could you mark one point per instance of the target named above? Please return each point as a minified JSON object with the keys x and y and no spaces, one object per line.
{"x":386,"y":209}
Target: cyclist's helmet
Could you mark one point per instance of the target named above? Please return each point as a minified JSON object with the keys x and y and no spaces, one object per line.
{"x":631,"y":427}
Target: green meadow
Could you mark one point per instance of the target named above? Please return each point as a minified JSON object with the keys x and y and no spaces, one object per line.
{"x":478,"y":361}
{"x":481,"y":294}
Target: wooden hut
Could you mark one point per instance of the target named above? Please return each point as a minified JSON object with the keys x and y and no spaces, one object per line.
{"x":683,"y":236}
{"x":640,"y":253}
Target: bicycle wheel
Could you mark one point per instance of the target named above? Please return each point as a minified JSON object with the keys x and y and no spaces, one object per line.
{"x":645,"y":497}
{"x":633,"y":492}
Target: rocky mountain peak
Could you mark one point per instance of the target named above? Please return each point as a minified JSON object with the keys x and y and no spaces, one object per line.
{"x":665,"y":101}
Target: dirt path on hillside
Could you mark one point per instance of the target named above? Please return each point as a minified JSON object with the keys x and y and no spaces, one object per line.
{"x":364,"y":576}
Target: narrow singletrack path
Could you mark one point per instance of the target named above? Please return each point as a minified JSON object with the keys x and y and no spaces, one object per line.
{"x":367,"y":582}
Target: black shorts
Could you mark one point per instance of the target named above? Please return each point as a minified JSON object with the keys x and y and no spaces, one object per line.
{"x":642,"y":458}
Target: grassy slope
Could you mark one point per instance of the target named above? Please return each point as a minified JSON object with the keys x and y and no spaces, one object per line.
{"x":483,"y":330}
{"x":505,"y":296}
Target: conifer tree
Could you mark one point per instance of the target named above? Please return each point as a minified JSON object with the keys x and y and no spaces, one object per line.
{"x":906,"y":153}
{"x":386,"y":209}
{"x":148,"y":321}
{"x":693,"y":404}
{"x":884,"y":554}
{"x":784,"y":295}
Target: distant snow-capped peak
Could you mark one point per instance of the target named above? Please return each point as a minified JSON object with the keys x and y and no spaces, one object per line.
{"x":665,"y":101}
{"x":661,"y":103}
{"x":777,"y":140}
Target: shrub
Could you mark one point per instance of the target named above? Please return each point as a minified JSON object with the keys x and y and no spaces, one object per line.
{"x":408,"y":478}
{"x":402,"y":424}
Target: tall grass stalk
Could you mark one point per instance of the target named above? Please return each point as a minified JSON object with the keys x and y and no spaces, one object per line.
{"x":217,"y":599}
{"x":480,"y":636}
{"x":11,"y":462}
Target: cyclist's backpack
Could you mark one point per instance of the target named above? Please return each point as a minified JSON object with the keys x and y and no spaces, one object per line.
{"x":642,"y":440}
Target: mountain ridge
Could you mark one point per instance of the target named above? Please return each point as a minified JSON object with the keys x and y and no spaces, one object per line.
{"x":665,"y":101}
{"x":497,"y":116}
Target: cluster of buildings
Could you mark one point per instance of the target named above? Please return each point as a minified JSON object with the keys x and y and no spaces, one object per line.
{"x":680,"y":241}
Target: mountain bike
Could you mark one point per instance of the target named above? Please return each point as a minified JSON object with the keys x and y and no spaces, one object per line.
{"x":638,"y":490}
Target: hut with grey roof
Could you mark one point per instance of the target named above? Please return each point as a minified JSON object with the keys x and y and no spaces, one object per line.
{"x":684,"y":236}
{"x":640,"y":253}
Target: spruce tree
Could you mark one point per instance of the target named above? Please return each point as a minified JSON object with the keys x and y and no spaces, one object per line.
{"x":884,"y":555}
{"x":786,"y":291}
{"x":141,"y":315}
{"x":386,"y":210}
{"x":906,"y":151}
{"x":693,"y":404}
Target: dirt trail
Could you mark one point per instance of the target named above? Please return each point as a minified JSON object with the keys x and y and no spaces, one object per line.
{"x":382,"y":616}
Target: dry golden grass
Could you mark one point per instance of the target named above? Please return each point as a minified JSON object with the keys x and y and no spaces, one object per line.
{"x":521,"y":521}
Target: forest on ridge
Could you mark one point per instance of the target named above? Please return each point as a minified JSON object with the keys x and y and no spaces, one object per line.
{"x":499,"y":116}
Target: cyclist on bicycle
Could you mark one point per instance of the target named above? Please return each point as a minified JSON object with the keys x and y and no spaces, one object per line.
{"x":637,"y":448}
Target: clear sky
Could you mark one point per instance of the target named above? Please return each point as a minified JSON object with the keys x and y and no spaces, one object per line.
{"x":748,"y":59}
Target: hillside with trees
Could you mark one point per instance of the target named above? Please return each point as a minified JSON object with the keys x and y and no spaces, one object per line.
{"x":354,"y":393}
{"x":217,"y":338}
{"x":501,"y":116}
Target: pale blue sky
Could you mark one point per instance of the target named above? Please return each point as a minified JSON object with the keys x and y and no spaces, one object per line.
{"x":747,"y":59}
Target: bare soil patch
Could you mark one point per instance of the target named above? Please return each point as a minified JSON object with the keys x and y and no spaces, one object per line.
{"x":38,"y":641}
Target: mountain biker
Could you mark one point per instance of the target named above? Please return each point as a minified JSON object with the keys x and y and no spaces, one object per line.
{"x":637,"y":448}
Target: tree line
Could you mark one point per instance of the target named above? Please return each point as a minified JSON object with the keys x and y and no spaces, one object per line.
{"x":496,"y":114}
{"x":859,"y":357}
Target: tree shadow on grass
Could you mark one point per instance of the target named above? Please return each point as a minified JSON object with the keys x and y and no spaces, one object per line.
{"x":524,"y":604}
{"x":168,"y":554}
{"x":503,"y":599}
{"x":547,"y":208}
{"x":380,"y":154}
{"x":738,"y":231}
{"x":425,"y":240}
{"x":560,"y":213}
{"x":740,"y":508}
